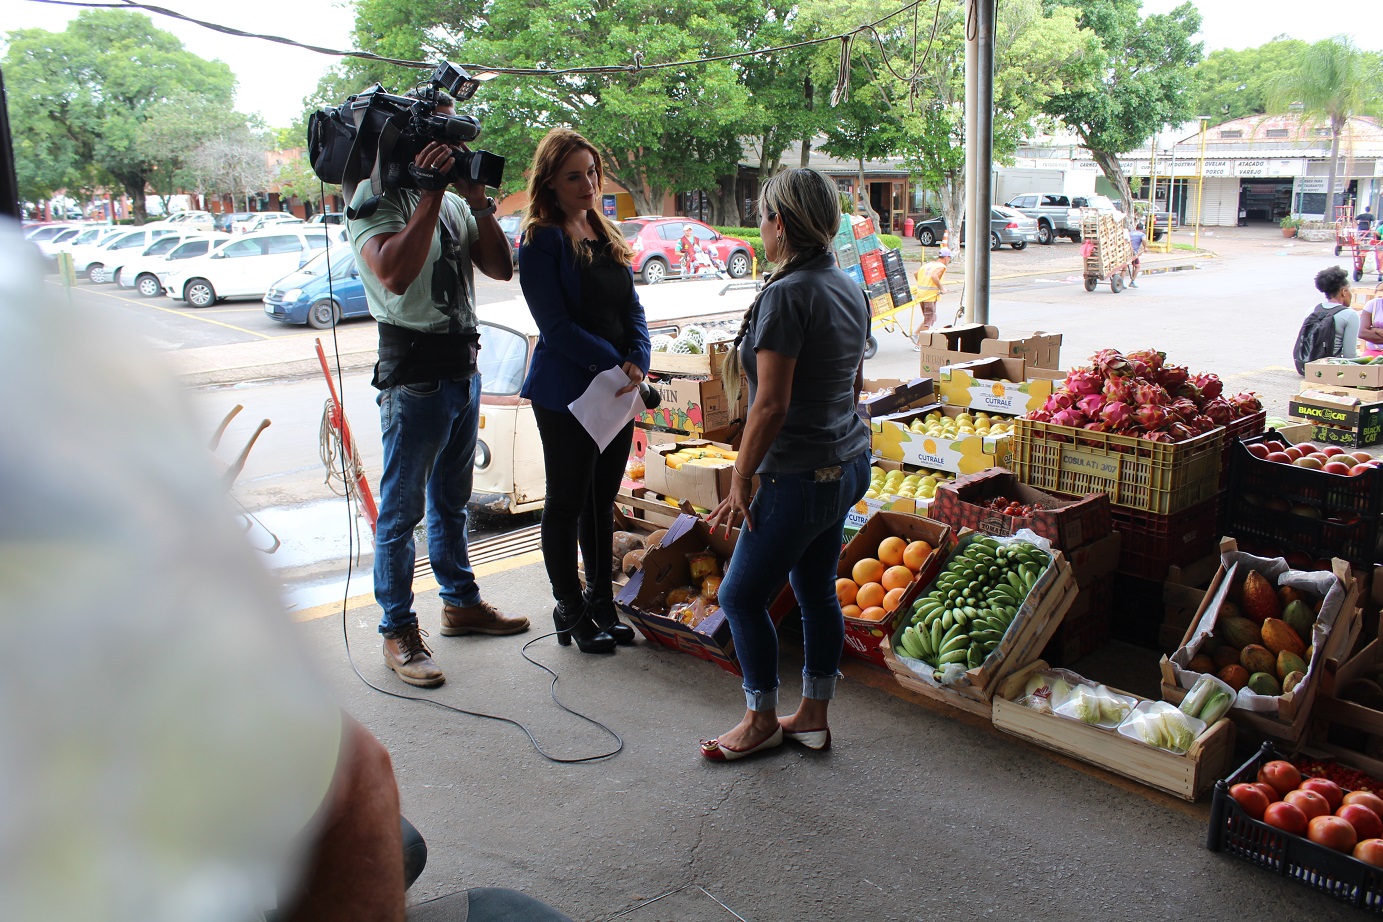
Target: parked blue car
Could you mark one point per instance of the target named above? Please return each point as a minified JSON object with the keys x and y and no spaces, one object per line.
{"x":310,"y":296}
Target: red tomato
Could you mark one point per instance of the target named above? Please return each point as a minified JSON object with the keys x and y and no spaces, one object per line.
{"x":1370,"y":851}
{"x":1269,"y":791}
{"x":1332,"y":832}
{"x":1253,"y":800}
{"x":1327,"y":789}
{"x":1368,"y":799}
{"x":1283,"y":776}
{"x":1308,"y":802}
{"x":1366,"y":823}
{"x":1286,"y":817}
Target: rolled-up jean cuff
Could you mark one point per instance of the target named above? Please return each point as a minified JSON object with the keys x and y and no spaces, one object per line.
{"x":819,"y":688}
{"x":761,"y":700}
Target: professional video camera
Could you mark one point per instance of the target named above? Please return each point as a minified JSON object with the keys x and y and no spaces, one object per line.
{"x":375,"y":134}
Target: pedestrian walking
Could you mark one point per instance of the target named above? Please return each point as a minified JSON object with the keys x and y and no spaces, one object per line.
{"x":931,"y":288}
{"x":1137,"y":242}
{"x":801,"y":345}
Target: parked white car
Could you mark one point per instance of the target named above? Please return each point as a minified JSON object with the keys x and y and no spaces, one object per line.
{"x":247,"y":265}
{"x":187,"y":220}
{"x":141,"y":272}
{"x":263,"y":221}
{"x":49,"y":247}
{"x":91,"y":260}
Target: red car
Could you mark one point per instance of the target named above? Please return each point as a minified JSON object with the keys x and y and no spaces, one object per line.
{"x":657,"y":254}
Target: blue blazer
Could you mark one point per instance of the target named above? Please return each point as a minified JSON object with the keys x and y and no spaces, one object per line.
{"x":568,"y":356}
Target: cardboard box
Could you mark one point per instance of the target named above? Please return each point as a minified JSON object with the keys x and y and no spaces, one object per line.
{"x":693,"y":407}
{"x":892,"y":439}
{"x":1343,"y":373}
{"x":1186,"y":776}
{"x":955,"y":345}
{"x":1067,"y":523}
{"x":702,"y":484}
{"x":997,"y":385}
{"x":899,"y":395}
{"x":1095,"y":560}
{"x":1341,"y":415}
{"x":706,"y":364}
{"x":862,"y":637}
{"x":862,"y":511}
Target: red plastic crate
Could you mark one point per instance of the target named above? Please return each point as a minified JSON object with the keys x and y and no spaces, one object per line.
{"x":1068,"y":522}
{"x":1154,"y":542}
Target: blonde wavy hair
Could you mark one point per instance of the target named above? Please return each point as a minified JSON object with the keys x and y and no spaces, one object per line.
{"x":543,"y":210}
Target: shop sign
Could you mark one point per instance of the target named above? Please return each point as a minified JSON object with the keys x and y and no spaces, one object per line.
{"x":1286,"y":167}
{"x":1310,"y":184}
{"x":1216,"y":168}
{"x":1251,"y":168}
{"x":1378,"y":167}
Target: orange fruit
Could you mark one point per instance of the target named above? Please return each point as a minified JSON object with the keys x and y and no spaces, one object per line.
{"x":896,"y":578}
{"x":870,"y":595}
{"x":892,"y":598}
{"x":891,"y":551}
{"x":916,"y":554}
{"x":850,"y":611}
{"x":867,"y":570}
{"x":873,"y":614}
{"x":845,"y":591}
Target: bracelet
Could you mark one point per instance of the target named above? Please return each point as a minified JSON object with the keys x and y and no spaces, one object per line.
{"x":738,"y":474}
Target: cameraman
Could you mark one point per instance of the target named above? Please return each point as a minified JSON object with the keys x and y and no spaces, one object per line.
{"x":415,"y":253}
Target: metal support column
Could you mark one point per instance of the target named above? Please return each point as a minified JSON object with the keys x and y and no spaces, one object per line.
{"x":979,"y":152}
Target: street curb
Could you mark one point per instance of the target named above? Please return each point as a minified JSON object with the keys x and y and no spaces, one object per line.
{"x":276,"y":371}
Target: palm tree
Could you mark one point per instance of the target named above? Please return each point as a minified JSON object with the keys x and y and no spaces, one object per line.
{"x":1334,"y":81}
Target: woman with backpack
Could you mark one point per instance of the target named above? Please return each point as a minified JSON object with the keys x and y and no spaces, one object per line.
{"x":1331,"y":330}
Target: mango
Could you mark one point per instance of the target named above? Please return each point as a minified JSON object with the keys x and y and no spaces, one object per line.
{"x":1279,"y":636}
{"x":1257,"y":658}
{"x":1288,"y":663}
{"x":1260,"y":683}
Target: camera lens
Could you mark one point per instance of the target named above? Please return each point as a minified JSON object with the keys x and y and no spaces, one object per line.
{"x":455,"y":127}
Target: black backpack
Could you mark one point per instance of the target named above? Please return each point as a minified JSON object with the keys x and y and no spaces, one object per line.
{"x":1317,"y":337}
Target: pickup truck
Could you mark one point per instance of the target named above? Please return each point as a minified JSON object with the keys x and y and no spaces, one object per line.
{"x":1054,"y":213}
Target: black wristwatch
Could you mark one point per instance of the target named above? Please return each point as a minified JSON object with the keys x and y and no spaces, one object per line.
{"x":488,"y":210}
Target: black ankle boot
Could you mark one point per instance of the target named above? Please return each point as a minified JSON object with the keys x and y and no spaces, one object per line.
{"x":606,"y":617}
{"x":573,"y":623}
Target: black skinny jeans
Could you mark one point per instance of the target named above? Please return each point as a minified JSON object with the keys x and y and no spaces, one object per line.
{"x":580,"y":502}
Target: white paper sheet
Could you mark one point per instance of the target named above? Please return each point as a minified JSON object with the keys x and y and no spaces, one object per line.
{"x":600,"y":411}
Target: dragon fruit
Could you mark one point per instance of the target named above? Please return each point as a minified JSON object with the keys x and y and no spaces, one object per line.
{"x":1210,"y":384}
{"x":1149,"y":357}
{"x":1091,"y":406}
{"x":1173,"y":376}
{"x":1071,"y":417}
{"x":1150,"y":417}
{"x":1098,"y":425}
{"x":1180,"y":432}
{"x":1111,"y":363}
{"x":1148,"y":394}
{"x":1158,"y":436}
{"x":1183,"y":409}
{"x":1119,"y":390}
{"x":1190,"y":392}
{"x":1042,"y":416}
{"x":1082,"y":382}
{"x":1119,"y":415}
{"x":1059,"y":401}
{"x":1219,"y":411}
{"x":1245,"y":404}
{"x":1200,"y":424}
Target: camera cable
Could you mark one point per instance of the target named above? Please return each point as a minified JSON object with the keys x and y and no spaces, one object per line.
{"x":352,"y":514}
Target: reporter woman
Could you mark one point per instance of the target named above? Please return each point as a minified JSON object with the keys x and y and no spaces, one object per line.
{"x":802,"y":347}
{"x":574,"y":268}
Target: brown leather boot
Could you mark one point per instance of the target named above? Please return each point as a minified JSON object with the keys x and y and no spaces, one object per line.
{"x":409,"y":657}
{"x":479,"y":619}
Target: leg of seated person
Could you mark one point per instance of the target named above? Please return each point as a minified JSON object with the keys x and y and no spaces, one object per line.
{"x":354,"y":866}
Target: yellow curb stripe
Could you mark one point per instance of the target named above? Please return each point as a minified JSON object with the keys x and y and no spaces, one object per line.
{"x":175,"y":312}
{"x":425,"y":584}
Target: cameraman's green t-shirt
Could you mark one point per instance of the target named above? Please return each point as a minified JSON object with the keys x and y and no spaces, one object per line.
{"x":442,"y":298}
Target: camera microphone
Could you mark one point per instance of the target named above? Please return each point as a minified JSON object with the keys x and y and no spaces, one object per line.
{"x":650,"y":397}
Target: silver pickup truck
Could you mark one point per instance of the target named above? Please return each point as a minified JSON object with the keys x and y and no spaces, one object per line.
{"x":1054,"y":213}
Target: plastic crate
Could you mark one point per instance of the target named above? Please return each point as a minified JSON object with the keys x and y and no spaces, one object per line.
{"x":1068,"y":523}
{"x":1349,"y":507}
{"x":1152,"y":543}
{"x":1244,"y":428}
{"x":1161,"y":477}
{"x":1335,"y":873}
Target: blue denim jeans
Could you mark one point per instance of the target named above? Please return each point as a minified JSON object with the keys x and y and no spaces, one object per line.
{"x":798,"y":524}
{"x":429,"y":433}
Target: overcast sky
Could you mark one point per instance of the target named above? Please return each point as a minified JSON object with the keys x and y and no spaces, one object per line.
{"x":274,"y":79}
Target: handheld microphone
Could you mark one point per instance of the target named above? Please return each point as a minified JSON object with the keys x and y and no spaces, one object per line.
{"x":651,"y":398}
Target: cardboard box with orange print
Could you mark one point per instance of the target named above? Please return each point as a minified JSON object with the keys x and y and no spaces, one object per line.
{"x":997,"y":385}
{"x":895,"y":438}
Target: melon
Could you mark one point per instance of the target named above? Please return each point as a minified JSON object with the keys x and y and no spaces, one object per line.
{"x":1288,"y":663}
{"x":660,"y":343}
{"x":1235,"y":676}
{"x":1260,"y":683}
{"x":1279,"y":637}
{"x":1257,"y":658}
{"x":1260,"y":599}
{"x":1240,"y":632}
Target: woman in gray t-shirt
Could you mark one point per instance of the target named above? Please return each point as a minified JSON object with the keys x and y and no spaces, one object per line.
{"x":802,"y":348}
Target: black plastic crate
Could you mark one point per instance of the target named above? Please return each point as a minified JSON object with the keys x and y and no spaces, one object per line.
{"x":1234,"y":831}
{"x":1153,"y":542}
{"x":1348,"y":507}
{"x":1244,"y":428}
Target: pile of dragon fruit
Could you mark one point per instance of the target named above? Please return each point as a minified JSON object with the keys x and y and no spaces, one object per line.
{"x":1141,"y":394}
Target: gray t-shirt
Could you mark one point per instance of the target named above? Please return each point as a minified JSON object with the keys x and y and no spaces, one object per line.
{"x":819,"y":316}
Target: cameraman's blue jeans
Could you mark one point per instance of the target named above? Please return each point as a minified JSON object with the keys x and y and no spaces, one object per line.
{"x":798,"y":525}
{"x":429,"y":433}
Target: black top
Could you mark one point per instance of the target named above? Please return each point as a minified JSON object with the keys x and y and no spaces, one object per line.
{"x":606,"y":291}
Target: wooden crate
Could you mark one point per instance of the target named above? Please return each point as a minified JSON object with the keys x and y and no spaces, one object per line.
{"x":939,"y":693}
{"x":706,"y":364}
{"x":1186,"y":776}
{"x":1337,"y":718}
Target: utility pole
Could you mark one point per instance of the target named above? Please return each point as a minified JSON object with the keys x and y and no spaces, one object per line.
{"x":979,"y":152}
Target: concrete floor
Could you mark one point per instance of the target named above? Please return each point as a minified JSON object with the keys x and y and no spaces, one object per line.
{"x":916,"y":813}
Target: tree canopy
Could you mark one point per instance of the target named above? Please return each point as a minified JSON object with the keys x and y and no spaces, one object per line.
{"x":1231,"y":84}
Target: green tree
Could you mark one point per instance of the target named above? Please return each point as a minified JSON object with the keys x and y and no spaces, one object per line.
{"x":1334,"y":80}
{"x":1142,"y":80}
{"x":1230,"y":84}
{"x":81,"y":96}
{"x":233,"y":160}
{"x":296,"y":180}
